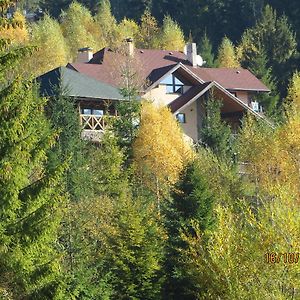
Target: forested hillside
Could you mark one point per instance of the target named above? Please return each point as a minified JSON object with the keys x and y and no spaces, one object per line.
{"x":143,"y":213}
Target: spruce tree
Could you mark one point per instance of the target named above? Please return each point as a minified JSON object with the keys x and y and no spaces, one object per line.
{"x":206,"y":51}
{"x":271,"y":32}
{"x":216,"y":134}
{"x":30,"y":192}
{"x":191,"y":207}
{"x":31,"y":195}
{"x":259,"y":66}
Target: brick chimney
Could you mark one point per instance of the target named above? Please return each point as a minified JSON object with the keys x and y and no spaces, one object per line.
{"x":84,"y":55}
{"x":191,"y":52}
{"x":130,"y":46}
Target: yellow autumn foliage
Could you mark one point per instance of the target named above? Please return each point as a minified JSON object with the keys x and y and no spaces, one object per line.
{"x":294,"y":91}
{"x":227,"y":57}
{"x":160,"y":151}
{"x":273,"y":155}
{"x":16,"y":32}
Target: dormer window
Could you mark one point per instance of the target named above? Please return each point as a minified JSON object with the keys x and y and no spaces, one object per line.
{"x":173,"y":85}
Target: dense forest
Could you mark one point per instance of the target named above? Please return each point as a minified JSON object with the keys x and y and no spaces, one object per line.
{"x":144,"y":214}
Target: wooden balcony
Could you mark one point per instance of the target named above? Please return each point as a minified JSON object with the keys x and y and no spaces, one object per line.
{"x":93,"y":127}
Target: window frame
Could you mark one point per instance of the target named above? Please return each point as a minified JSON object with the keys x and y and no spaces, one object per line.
{"x":179,"y":119}
{"x":176,"y":88}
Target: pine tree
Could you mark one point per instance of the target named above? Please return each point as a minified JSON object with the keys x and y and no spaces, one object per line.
{"x":227,"y":55}
{"x":270,"y":33}
{"x":30,"y":191}
{"x":205,"y":50}
{"x":132,"y":249}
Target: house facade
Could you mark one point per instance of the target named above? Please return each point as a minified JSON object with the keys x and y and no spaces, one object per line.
{"x":171,"y":78}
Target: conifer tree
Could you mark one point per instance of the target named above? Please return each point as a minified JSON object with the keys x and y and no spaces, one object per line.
{"x":294,"y":91}
{"x":190,"y":207}
{"x":108,"y":25}
{"x":30,"y":196}
{"x":79,"y":29}
{"x":51,"y":50}
{"x":132,"y":248}
{"x":216,"y":134}
{"x":205,"y":50}
{"x":227,"y":55}
{"x":30,"y":191}
{"x":259,"y":66}
{"x":270,"y":33}
{"x":148,"y":30}
{"x":171,"y":36}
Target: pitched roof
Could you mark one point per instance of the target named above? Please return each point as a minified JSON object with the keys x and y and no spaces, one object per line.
{"x":75,"y":84}
{"x":187,"y":97}
{"x":155,"y":63}
{"x":232,"y":79}
{"x":195,"y":92}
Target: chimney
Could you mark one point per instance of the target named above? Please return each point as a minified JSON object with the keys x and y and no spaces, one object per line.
{"x":130,"y":45}
{"x":84,"y":55}
{"x":191,"y":52}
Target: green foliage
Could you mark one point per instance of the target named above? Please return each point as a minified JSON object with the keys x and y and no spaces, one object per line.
{"x":51,"y":47}
{"x":63,"y":115}
{"x":31,"y":195}
{"x":192,"y":203}
{"x":215,"y":133}
{"x":269,"y":34}
{"x":206,"y":51}
{"x":109,"y":177}
{"x":132,"y":249}
{"x":79,"y":29}
{"x":107,"y":23}
{"x":259,"y":66}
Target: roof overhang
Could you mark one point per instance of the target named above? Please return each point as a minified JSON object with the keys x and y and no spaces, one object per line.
{"x":180,"y":67}
{"x":227,"y":93}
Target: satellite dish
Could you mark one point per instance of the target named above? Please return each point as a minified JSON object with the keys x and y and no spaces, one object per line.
{"x":199,"y":60}
{"x":185,"y":49}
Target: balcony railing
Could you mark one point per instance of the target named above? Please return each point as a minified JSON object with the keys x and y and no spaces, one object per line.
{"x":92,"y":122}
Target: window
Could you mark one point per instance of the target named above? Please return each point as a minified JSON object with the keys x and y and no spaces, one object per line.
{"x":92,"y":111}
{"x":173,"y":85}
{"x":181,"y":118}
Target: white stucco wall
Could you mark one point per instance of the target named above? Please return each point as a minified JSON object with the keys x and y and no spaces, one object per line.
{"x":159,"y":96}
{"x":190,"y":127}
